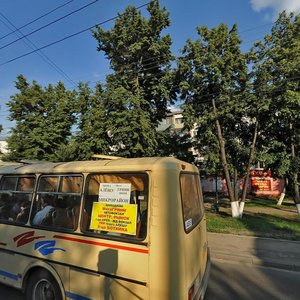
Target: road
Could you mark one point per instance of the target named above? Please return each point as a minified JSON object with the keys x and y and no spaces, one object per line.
{"x":234,"y":281}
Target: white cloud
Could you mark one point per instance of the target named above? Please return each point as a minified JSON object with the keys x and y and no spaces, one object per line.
{"x":276,"y":5}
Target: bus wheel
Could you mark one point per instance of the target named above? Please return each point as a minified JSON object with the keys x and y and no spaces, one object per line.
{"x":42,"y":286}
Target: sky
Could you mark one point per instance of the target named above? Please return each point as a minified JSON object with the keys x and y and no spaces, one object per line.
{"x":71,"y":57}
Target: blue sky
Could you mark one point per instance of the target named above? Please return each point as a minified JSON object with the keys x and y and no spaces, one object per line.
{"x":76,"y":59}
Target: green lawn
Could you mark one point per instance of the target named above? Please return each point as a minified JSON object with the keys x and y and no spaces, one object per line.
{"x":264,"y":219}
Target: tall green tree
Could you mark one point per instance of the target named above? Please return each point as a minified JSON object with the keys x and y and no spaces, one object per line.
{"x":92,"y":134}
{"x":212,"y":75}
{"x":277,"y":76}
{"x":139,"y":89}
{"x":43,"y":116}
{"x":177,"y":143}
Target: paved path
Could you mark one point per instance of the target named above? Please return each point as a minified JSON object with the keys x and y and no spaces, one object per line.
{"x":283,"y":254}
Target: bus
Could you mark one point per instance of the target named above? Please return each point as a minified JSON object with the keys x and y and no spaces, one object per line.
{"x":126,"y":228}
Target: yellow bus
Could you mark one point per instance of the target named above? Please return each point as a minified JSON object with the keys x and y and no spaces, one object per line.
{"x":104,"y":229}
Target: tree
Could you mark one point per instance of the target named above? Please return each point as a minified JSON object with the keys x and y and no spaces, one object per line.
{"x":137,"y":93}
{"x":177,"y":143}
{"x":43,"y":116}
{"x":92,"y":136}
{"x":212,"y":76}
{"x":277,"y":73}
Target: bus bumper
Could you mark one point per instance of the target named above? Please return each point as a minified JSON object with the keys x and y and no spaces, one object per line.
{"x":205,"y":278}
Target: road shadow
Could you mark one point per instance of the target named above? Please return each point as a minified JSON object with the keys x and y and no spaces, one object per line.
{"x":246,"y":282}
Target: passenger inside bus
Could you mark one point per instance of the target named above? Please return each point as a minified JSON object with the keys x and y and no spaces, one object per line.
{"x":41,"y":217}
{"x":23,"y":215}
{"x":62,"y":216}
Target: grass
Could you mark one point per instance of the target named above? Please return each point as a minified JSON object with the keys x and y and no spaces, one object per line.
{"x":262,"y":217}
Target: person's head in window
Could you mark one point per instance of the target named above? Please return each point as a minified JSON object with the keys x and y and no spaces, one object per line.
{"x":24,"y":211}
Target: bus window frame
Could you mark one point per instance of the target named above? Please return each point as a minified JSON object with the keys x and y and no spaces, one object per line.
{"x":190,"y":229}
{"x":122,"y":238}
{"x":56,"y":193}
{"x":18,"y":192}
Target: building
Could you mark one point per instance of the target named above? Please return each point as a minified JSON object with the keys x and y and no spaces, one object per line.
{"x":173,"y":120}
{"x":3,"y":147}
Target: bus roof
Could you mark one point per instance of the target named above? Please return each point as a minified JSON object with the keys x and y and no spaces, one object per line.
{"x":118,"y":165}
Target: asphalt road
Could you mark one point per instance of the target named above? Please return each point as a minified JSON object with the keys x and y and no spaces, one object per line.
{"x":231,"y":280}
{"x":234,"y":281}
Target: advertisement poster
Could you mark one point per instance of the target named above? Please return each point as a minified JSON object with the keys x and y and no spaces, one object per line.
{"x":119,"y":218}
{"x":113,"y":211}
{"x":261,"y":184}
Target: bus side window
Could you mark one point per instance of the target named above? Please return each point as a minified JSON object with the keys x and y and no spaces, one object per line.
{"x":58,"y":201}
{"x":5,"y":206}
{"x":15,"y":198}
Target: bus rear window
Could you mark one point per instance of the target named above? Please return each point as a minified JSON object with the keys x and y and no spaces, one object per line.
{"x":116,"y":205}
{"x":192,"y":202}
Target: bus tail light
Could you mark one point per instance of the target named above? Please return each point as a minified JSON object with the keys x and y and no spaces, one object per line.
{"x":191,"y":293}
{"x":195,"y":292}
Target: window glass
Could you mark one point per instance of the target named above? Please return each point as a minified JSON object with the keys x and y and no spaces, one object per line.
{"x":8,"y":183}
{"x":192,"y":201}
{"x":71,"y":184}
{"x":25,"y":184}
{"x":178,"y":120}
{"x":116,"y":205}
{"x":48,"y":184}
{"x":57,"y":202}
{"x":15,"y":198}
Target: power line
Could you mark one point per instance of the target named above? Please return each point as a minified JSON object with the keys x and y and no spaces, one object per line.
{"x":51,"y":23}
{"x":65,"y":38}
{"x":33,"y":21}
{"x":40,"y":53}
{"x":254,"y":28}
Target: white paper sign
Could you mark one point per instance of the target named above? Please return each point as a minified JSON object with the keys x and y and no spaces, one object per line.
{"x":114,"y":193}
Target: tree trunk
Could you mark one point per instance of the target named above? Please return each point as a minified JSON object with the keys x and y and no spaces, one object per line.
{"x":234,"y":204}
{"x":282,"y":195}
{"x":236,"y":185}
{"x":295,"y":176}
{"x":250,"y":159}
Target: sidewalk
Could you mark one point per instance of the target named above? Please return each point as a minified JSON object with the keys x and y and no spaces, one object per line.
{"x":283,"y":254}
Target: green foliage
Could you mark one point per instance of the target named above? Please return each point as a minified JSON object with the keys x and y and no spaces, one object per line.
{"x":43,"y":117}
{"x":276,"y":73}
{"x":137,"y":93}
{"x":91,"y":136}
{"x":213,"y":68}
{"x":121,"y":116}
{"x":177,"y":143}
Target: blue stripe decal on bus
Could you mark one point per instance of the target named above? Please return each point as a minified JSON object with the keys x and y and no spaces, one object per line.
{"x":9,"y":275}
{"x":76,"y":297}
